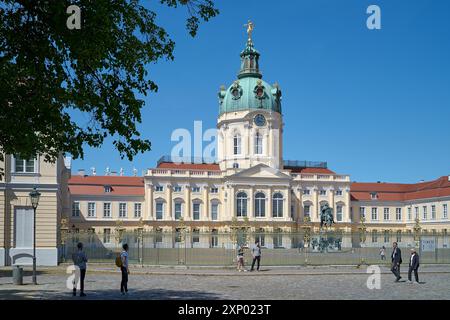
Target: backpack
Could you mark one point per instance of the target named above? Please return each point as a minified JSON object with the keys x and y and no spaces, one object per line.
{"x":119,"y":260}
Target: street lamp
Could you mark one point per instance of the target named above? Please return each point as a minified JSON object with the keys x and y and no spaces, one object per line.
{"x":34,"y":196}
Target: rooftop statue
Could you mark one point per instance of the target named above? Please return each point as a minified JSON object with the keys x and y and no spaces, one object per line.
{"x":250,"y":26}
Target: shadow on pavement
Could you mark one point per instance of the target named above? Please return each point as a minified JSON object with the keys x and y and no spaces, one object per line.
{"x":148,"y":294}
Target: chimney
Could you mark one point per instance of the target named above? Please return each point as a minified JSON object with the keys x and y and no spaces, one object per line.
{"x":81,"y":172}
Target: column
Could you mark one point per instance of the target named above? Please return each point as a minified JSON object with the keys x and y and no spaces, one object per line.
{"x":299,"y":206}
{"x":331,"y":202}
{"x":168,"y":212}
{"x":150,"y":202}
{"x":187,"y":202}
{"x":269,"y":204}
{"x":316,"y":214}
{"x":231,"y":202}
{"x":205,"y":212}
{"x":347,"y":206}
{"x":251,"y":204}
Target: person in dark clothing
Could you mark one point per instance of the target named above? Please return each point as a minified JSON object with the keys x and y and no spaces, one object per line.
{"x":413,"y":266}
{"x":256,"y":253}
{"x":124,"y":269}
{"x":79,"y":260}
{"x":396,"y":257}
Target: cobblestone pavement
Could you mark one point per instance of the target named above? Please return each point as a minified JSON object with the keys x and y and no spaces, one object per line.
{"x":102,"y":282}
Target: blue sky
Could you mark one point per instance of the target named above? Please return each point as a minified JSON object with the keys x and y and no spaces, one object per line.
{"x":374,"y":104}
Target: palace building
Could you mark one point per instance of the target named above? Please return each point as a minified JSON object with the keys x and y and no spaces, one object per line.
{"x":250,"y":183}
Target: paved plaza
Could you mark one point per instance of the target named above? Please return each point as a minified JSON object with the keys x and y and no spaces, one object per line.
{"x":102,"y":282}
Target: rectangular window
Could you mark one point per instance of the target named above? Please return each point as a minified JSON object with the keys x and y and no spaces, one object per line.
{"x":159,"y":188}
{"x":386,"y":214}
{"x":307,"y":211}
{"x":386,"y":236}
{"x":409,"y":214}
{"x":108,"y":189}
{"x":323,"y":192}
{"x":425,"y":214}
{"x":374,"y":236}
{"x":214,"y":211}
{"x":214,"y":190}
{"x":339,"y":213}
{"x":277,"y":241}
{"x":177,"y":210}
{"x":398,"y":214}
{"x":444,"y":211}
{"x":107,"y":210}
{"x":416,"y":212}
{"x":196,"y":189}
{"x":75,"y":209}
{"x":399,"y":236}
{"x":214,"y":239}
{"x":433,"y":212}
{"x":91,"y":209}
{"x":177,"y":189}
{"x":261,"y":239}
{"x":196,"y":211}
{"x":24,"y":166}
{"x":195,"y":236}
{"x":374,"y":214}
{"x":339,"y":192}
{"x":258,"y":144}
{"x":122,"y":210}
{"x":159,"y":210}
{"x":138,"y":210}
{"x":237,"y":144}
{"x":362,"y":211}
{"x":107,"y":235}
{"x":374,"y":196}
{"x":23,"y":228}
{"x":306,"y":191}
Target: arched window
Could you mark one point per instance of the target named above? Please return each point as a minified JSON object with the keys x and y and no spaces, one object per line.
{"x":260,"y":205}
{"x":235,"y":165}
{"x":277,"y":205}
{"x":241,"y":204}
{"x":258,"y":143}
{"x":237,"y":144}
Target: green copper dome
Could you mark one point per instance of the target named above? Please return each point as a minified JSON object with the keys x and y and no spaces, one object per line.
{"x":250,"y":91}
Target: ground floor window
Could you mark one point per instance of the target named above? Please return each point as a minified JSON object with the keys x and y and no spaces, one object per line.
{"x":23,"y":228}
{"x":159,"y":210}
{"x":107,"y":235}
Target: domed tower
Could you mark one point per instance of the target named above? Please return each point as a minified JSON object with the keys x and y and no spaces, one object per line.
{"x":250,"y":123}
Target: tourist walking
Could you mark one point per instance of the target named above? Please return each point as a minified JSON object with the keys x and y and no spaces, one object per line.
{"x":396,"y":261}
{"x":256,"y":253}
{"x":240,"y":258}
{"x":383,"y":253}
{"x":124,"y":269}
{"x":79,"y":259}
{"x":413,"y":266}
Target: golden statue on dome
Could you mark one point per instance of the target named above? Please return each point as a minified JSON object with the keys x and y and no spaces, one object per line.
{"x":250,"y":26}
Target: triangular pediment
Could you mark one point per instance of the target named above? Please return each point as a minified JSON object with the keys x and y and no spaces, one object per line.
{"x":260,"y":171}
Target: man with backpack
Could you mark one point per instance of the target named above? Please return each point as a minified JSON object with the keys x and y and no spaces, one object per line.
{"x":122,"y":263}
{"x":79,"y":260}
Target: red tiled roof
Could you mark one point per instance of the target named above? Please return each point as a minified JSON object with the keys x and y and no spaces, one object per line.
{"x":310,"y":170}
{"x":95,"y":185}
{"x":361,"y":191}
{"x":190,"y":166}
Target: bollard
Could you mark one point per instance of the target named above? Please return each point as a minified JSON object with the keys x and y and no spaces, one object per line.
{"x":17,"y":275}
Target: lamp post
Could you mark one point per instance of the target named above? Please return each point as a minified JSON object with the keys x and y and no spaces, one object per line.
{"x":34,"y":196}
{"x":362,"y":237}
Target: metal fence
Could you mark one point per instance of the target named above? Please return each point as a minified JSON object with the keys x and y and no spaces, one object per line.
{"x":278,"y":249}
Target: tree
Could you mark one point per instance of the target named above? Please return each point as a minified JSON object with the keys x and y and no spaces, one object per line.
{"x":49,"y":72}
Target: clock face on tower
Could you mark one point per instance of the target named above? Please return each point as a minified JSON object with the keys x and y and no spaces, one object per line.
{"x":259,"y":120}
